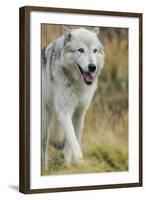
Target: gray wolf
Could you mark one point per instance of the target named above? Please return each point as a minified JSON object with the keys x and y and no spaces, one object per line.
{"x":71,"y":66}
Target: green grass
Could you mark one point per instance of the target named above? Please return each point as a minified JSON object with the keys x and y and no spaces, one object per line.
{"x":101,"y":157}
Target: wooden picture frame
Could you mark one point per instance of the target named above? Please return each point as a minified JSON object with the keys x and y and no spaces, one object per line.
{"x":25,"y":99}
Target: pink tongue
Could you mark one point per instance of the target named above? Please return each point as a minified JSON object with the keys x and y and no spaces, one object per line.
{"x":88,"y":77}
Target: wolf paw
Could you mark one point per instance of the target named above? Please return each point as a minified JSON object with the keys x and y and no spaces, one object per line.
{"x":59,"y":145}
{"x":78,"y":160}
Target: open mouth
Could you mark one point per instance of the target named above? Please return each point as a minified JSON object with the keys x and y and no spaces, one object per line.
{"x":88,"y":77}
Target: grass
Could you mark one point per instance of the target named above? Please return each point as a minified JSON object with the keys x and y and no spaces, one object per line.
{"x":105,"y":138}
{"x":102,"y":157}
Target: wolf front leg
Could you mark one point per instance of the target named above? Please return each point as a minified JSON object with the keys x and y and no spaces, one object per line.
{"x":71,"y":144}
{"x":67,"y":153}
{"x":78,"y":123}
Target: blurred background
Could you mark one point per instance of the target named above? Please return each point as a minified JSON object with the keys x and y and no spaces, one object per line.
{"x":105,"y":138}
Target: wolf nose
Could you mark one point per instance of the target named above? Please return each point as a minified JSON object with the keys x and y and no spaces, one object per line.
{"x":92,"y":67}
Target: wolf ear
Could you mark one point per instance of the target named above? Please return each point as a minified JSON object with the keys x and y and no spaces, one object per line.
{"x":65,"y":29}
{"x":96,"y":30}
{"x":67,"y":38}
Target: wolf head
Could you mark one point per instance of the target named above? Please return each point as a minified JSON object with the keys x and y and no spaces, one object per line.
{"x":83,"y":53}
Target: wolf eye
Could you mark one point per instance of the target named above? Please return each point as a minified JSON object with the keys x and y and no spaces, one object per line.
{"x":81,"y":50}
{"x":95,"y":50}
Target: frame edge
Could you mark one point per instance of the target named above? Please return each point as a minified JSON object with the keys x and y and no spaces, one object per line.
{"x":140,"y":99}
{"x":81,"y":11}
{"x":24,"y":101}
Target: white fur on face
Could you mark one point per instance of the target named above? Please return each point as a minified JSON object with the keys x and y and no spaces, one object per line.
{"x":88,"y":41}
